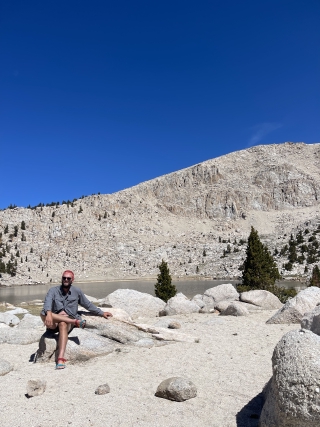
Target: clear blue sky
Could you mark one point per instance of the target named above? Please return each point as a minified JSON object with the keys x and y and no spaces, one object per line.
{"x":97,"y":96}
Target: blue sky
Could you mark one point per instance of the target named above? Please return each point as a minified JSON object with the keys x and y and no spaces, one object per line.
{"x":99,"y":96}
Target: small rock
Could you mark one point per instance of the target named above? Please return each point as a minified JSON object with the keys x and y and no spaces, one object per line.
{"x":36,"y":387}
{"x":103,"y":389}
{"x":5,"y":367}
{"x":168,"y":323}
{"x":177,"y":389}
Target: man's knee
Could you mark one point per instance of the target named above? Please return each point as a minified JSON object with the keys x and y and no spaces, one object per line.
{"x":63,"y":325}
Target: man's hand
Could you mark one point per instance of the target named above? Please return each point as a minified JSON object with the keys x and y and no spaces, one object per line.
{"x":106,"y":315}
{"x":49,"y":321}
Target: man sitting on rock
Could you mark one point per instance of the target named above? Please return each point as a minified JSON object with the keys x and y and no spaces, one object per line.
{"x":60,"y":312}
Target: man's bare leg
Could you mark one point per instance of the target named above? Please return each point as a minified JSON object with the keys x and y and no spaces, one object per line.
{"x":57,"y":318}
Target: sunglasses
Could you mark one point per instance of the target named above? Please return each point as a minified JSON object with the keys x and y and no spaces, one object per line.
{"x":67,"y":278}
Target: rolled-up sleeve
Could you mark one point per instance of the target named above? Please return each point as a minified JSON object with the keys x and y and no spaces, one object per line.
{"x":83,"y":300}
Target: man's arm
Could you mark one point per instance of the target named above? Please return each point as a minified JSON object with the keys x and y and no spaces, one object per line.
{"x":47,"y":308}
{"x":83,"y":300}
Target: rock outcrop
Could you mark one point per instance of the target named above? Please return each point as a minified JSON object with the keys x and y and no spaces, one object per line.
{"x":188,"y":217}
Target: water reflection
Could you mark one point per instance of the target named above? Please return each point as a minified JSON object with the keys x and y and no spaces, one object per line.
{"x":17,"y":294}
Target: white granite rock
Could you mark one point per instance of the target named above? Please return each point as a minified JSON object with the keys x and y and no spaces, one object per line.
{"x":82,"y":345}
{"x":30,"y":321}
{"x":9,"y":319}
{"x":295,"y":308}
{"x":261,"y":298}
{"x":293,"y":394}
{"x":180,"y":304}
{"x":235,"y":309}
{"x":198,"y":299}
{"x":225,"y":292}
{"x":136,"y":304}
{"x":311,"y":321}
{"x":5,"y":367}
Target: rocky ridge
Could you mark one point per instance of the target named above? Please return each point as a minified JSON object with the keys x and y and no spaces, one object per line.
{"x":187,"y":218}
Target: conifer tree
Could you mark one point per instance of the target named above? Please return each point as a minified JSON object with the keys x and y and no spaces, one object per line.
{"x":164,"y":289}
{"x":315,"y":277}
{"x":259,"y":269}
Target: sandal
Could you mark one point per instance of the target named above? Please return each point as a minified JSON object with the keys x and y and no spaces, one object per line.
{"x":80,"y":324}
{"x":60,"y":365}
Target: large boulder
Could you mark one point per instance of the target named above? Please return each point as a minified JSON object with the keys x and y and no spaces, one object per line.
{"x":94,"y":321}
{"x":30,"y":322}
{"x":293,"y":394}
{"x":136,"y":304}
{"x":295,"y":308}
{"x":20,"y":336}
{"x":264,"y":299}
{"x":9,"y":319}
{"x":180,"y":304}
{"x":311,"y":321}
{"x":198,"y":299}
{"x":225,"y":292}
{"x":82,"y":345}
{"x":235,"y":309}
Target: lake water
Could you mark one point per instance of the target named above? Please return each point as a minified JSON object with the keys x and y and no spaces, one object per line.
{"x":17,"y":294}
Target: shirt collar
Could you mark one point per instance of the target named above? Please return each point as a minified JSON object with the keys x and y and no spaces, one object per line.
{"x":68,"y":293}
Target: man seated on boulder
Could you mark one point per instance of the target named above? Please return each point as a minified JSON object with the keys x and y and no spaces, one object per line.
{"x":60,"y":312}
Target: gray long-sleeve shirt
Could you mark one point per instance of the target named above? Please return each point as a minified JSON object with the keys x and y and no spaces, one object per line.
{"x":56,"y":301}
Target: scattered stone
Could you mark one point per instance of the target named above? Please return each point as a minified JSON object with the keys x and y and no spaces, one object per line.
{"x":180,"y":304}
{"x":264,"y":299}
{"x":9,"y":319}
{"x":5,"y":367}
{"x":235,"y":309}
{"x":295,"y":308}
{"x":135,"y":303}
{"x":225,"y":292}
{"x":176,"y":388}
{"x":292,"y":395}
{"x":36,"y":387}
{"x":167,"y":323}
{"x":102,"y":389}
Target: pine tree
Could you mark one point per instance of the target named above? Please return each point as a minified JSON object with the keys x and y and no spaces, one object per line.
{"x":164,"y":289}
{"x":315,"y":277}
{"x":259,"y":268}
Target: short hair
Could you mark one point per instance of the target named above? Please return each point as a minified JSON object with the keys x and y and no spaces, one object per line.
{"x":69,"y":271}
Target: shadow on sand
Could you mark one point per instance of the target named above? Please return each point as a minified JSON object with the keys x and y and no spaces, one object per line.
{"x":250,"y":413}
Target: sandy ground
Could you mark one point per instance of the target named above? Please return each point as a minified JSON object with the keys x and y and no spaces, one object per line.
{"x":229,"y":367}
